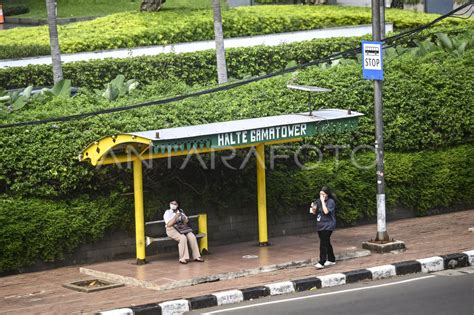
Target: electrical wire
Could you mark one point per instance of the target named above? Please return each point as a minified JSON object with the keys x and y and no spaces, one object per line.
{"x":338,"y":55}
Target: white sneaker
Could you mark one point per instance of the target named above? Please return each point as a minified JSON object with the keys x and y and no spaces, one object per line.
{"x":329,"y":263}
{"x":319,"y":266}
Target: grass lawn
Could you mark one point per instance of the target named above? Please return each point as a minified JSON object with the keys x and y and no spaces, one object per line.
{"x":76,"y":8}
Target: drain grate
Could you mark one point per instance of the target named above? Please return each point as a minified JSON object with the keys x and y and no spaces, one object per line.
{"x":91,"y":285}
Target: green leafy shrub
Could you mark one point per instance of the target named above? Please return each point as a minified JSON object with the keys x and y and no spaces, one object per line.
{"x":419,"y":181}
{"x":15,"y":10}
{"x":34,"y":229}
{"x":192,"y":68}
{"x":118,"y":88}
{"x":427,"y":105}
{"x":133,"y":29}
{"x":17,"y":99}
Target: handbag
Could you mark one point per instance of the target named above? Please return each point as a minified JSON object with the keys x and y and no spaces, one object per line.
{"x":182,"y":228}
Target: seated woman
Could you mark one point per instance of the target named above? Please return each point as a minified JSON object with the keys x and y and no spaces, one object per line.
{"x":175,"y":215}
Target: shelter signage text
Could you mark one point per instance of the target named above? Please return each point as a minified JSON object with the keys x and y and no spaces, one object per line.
{"x":261,"y":135}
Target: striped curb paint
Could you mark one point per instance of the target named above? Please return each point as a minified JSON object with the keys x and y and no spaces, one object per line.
{"x":431,"y":264}
{"x":202,"y":301}
{"x":145,"y":309}
{"x":425,"y":265}
{"x":452,"y":261}
{"x":255,"y":293}
{"x":358,"y":275}
{"x":382,"y":272}
{"x":281,"y":288}
{"x":332,"y":280}
{"x":229,"y":297}
{"x":407,"y":267}
{"x":174,"y":307}
{"x":307,"y":284}
{"x":471,"y":257}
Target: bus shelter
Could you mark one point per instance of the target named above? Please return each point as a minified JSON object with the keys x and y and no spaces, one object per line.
{"x":137,"y":147}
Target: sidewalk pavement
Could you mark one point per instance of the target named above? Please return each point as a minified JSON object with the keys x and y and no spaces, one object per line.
{"x":267,"y":40}
{"x":42,"y":292}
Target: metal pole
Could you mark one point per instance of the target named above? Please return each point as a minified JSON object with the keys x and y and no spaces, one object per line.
{"x":382,"y":19}
{"x":202,"y":228}
{"x":139,"y":213}
{"x":382,"y":234}
{"x":261,"y":196}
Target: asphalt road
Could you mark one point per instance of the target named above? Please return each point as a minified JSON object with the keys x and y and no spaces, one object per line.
{"x":445,"y":292}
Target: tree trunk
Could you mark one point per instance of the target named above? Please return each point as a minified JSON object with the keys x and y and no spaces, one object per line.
{"x":219,"y":38}
{"x":54,"y":41}
{"x":397,"y":4}
{"x":151,"y":5}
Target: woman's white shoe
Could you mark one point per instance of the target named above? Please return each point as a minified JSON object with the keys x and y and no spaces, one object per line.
{"x":319,"y":266}
{"x":329,"y":263}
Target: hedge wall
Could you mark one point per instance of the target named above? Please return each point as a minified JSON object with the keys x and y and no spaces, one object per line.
{"x":427,"y":105}
{"x":126,"y":30}
{"x":192,"y":68}
{"x":33,"y":229}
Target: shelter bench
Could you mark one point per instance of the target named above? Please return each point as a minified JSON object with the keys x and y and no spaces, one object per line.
{"x":201,"y":233}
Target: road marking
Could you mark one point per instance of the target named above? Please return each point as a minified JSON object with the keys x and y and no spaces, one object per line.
{"x":322,"y":294}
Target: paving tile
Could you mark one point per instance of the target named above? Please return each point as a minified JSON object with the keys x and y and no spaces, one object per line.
{"x":41,"y":292}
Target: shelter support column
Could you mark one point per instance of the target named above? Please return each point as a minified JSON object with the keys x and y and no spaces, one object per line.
{"x":139,"y":212}
{"x":262,"y":196}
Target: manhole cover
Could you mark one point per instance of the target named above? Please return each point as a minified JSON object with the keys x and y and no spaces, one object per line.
{"x":91,"y":285}
{"x":250,"y":256}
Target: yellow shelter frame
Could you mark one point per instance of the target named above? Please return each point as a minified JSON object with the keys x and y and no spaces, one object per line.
{"x":165,"y":143}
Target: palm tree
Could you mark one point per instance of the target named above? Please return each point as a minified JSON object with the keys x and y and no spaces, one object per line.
{"x":219,"y":38}
{"x":54,"y":40}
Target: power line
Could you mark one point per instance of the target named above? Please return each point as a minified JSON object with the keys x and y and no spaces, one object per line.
{"x":338,"y":55}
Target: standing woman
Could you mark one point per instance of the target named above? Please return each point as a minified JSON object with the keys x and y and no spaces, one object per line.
{"x":325,"y":209}
{"x":175,"y":215}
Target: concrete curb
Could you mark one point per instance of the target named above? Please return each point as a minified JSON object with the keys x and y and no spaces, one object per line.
{"x":425,"y":265}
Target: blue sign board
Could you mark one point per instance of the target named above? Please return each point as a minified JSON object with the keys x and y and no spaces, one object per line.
{"x":372,"y":61}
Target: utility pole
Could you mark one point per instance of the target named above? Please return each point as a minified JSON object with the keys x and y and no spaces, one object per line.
{"x":382,"y":234}
{"x":382,"y":19}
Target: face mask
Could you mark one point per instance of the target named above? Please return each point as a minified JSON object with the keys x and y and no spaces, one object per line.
{"x":173,"y":207}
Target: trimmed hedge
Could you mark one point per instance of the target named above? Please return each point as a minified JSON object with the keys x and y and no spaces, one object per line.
{"x":15,"y":10}
{"x":427,"y":104}
{"x":126,"y":30}
{"x":418,"y":181}
{"x":33,"y":229}
{"x":192,"y":68}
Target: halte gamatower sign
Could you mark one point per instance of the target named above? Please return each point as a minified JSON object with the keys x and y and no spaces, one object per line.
{"x":251,"y":136}
{"x":261,"y":135}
